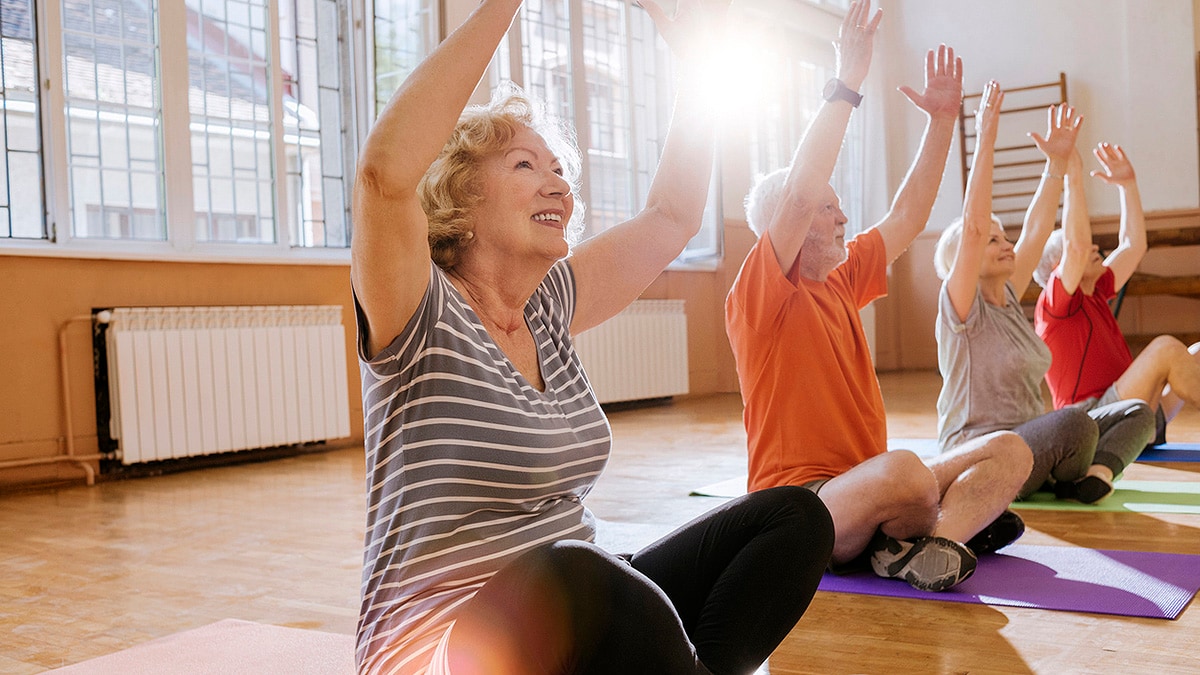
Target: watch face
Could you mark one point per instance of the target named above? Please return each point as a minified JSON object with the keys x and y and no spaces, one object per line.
{"x":830,"y":89}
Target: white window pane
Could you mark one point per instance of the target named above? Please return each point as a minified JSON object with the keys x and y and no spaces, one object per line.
{"x":229,"y":104}
{"x":313,"y":100}
{"x":405,"y":33}
{"x":25,"y":171}
{"x":112,"y":104}
{"x":20,"y":130}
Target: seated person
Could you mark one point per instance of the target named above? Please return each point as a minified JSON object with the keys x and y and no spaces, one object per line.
{"x":814,"y":413}
{"x":1092,"y":365}
{"x":1074,"y":320}
{"x":992,"y":363}
{"x":482,"y":433}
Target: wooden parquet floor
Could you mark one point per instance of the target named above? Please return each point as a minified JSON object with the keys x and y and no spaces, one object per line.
{"x":89,"y":571}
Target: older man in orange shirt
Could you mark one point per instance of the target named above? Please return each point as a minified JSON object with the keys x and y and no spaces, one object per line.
{"x":813,"y":410}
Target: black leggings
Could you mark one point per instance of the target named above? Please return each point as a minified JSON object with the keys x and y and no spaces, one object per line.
{"x":717,"y":595}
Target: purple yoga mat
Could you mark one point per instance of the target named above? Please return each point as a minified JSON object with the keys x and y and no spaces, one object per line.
{"x":1128,"y":583}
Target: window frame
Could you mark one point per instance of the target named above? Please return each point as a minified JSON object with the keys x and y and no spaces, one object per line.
{"x":172,"y":71}
{"x":508,"y":64}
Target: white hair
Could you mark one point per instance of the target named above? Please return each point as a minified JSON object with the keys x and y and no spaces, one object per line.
{"x":1051,"y":256}
{"x":763,"y":200}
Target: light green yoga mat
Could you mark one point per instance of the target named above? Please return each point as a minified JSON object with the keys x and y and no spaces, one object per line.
{"x":1138,"y":496}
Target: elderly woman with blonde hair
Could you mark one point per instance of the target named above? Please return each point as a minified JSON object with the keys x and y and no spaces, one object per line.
{"x":483,"y":435}
{"x":992,"y":363}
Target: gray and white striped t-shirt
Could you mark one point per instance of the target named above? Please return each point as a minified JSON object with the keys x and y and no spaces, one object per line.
{"x":468,"y":465}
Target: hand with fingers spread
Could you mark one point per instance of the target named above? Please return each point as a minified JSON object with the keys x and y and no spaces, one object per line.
{"x":1118,"y":170}
{"x":943,"y":84}
{"x":1062,"y":126}
{"x":856,"y":43}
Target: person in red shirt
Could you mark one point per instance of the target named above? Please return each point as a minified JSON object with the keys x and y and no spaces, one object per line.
{"x":814,"y":414}
{"x":1092,"y":366}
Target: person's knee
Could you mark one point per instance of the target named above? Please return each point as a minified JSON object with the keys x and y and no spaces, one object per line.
{"x":1165,"y":350}
{"x":569,"y":560}
{"x":801,"y":509}
{"x":908,"y":480}
{"x":1076,"y":425}
{"x":1010,"y":452}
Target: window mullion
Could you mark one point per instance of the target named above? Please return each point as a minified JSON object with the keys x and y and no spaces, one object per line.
{"x":174,"y":90}
{"x":579,"y":94}
{"x":54,"y":121}
{"x":278,"y":152}
{"x":631,"y":103}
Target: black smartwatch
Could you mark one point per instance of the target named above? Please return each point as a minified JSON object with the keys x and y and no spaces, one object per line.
{"x":836,"y":90}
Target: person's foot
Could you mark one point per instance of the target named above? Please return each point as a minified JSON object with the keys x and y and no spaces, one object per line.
{"x":1004,"y":530}
{"x":1086,"y":490}
{"x":926,"y":563}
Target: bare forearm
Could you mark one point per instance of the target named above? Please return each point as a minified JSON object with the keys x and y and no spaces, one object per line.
{"x":914,"y":200}
{"x":1077,"y":231}
{"x":1133,"y":218}
{"x":680,"y":187}
{"x":414,"y":125}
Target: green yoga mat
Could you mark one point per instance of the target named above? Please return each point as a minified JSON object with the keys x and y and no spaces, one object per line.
{"x":1137,"y":496}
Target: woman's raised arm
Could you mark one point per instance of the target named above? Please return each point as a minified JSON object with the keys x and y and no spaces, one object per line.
{"x":613,"y":268}
{"x":390,"y":248}
{"x":963,"y":282}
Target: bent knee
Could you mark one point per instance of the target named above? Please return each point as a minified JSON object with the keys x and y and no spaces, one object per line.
{"x":1166,"y":348}
{"x":1076,"y":424}
{"x":1009,"y":448}
{"x":908,"y":479}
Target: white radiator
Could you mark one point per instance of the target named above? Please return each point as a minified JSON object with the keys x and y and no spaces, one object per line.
{"x":640,"y":353}
{"x":187,"y":381}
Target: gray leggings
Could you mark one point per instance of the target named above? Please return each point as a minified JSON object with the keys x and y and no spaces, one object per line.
{"x":1126,"y":427}
{"x":1063,"y":444}
{"x":1067,"y":441}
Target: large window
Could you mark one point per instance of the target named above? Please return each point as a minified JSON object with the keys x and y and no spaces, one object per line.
{"x":177,"y":126}
{"x":800,"y":64}
{"x":601,"y":65}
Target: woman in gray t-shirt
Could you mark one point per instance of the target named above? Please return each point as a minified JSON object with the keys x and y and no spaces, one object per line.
{"x":992,"y":362}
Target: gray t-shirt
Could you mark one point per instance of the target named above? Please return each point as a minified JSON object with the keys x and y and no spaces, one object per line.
{"x":468,"y":465}
{"x":992,"y":367}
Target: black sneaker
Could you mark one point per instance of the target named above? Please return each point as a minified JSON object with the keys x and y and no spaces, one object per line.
{"x":926,"y":563}
{"x":1004,"y":530}
{"x":1086,"y":490}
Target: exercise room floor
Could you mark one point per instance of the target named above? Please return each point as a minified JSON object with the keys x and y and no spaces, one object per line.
{"x":89,"y":571}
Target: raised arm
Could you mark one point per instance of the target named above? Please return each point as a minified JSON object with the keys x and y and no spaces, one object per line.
{"x":1077,"y":228}
{"x":812,"y":165}
{"x":613,"y":268}
{"x":1062,"y":130}
{"x":963,"y":282}
{"x":940,"y":102}
{"x":389,"y":252}
{"x":1131,"y":246}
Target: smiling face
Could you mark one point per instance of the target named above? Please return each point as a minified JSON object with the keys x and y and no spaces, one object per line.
{"x":526,"y":201}
{"x":999,"y":258}
{"x":825,"y":246}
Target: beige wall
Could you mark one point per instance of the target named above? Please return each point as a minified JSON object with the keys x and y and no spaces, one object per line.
{"x":41,"y":293}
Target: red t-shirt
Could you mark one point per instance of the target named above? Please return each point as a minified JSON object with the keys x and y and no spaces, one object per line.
{"x":813,"y":408}
{"x":1089,"y":351}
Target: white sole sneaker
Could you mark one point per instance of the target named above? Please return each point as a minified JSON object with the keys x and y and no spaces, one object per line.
{"x":926,"y":563}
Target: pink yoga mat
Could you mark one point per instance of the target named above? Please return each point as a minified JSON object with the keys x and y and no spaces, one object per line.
{"x":1128,"y":583}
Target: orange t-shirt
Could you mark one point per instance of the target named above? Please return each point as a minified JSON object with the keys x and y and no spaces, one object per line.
{"x":813,"y":408}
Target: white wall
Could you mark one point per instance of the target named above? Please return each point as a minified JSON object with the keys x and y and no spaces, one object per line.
{"x":1130,"y":72}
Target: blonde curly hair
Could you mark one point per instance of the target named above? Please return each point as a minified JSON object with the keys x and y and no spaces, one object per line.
{"x":449,"y":191}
